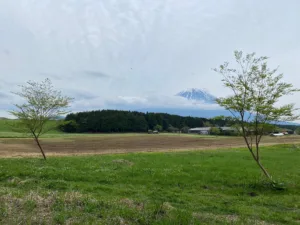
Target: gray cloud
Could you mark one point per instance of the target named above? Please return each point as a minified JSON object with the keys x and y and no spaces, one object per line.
{"x":95,"y":74}
{"x":7,"y":83}
{"x":138,"y":102}
{"x":51,"y":76}
{"x":4,"y":95}
{"x":137,"y":47}
{"x":6,"y":52}
{"x":79,"y":95}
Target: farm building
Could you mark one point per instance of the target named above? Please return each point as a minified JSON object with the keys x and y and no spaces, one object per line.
{"x":207,"y":130}
{"x":228,"y":130}
{"x":200,"y":130}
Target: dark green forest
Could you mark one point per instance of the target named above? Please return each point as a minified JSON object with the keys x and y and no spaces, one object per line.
{"x":131,"y":121}
{"x":128,"y":121}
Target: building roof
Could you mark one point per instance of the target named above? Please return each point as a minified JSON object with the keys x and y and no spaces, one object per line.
{"x":228,"y":128}
{"x":200,"y":129}
{"x":208,"y":129}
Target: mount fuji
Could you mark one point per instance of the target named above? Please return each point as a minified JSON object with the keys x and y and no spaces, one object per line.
{"x":202,"y":104}
{"x":202,"y":95}
{"x":198,"y":95}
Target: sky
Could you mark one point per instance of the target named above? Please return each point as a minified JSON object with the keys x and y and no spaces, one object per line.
{"x":134,"y":53}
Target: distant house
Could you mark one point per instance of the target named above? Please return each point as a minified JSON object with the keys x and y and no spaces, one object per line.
{"x":228,"y":130}
{"x":153,"y":132}
{"x":200,"y":130}
{"x":207,"y":130}
{"x":276,"y":134}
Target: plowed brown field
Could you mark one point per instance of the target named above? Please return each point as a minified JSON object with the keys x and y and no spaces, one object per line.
{"x":123,"y":144}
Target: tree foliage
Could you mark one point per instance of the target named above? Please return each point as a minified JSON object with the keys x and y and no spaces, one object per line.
{"x":172,"y":129}
{"x":222,"y":121}
{"x":298,"y":131}
{"x":126,"y":121}
{"x":207,"y":124}
{"x":158,"y":127}
{"x":185,"y":129}
{"x":41,"y":104}
{"x":256,"y":90}
{"x":215,"y":131}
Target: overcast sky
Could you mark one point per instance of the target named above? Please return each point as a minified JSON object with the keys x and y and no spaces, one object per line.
{"x":111,"y":52}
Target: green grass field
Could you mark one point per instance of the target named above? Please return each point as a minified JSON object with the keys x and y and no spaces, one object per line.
{"x":196,"y":187}
{"x":7,"y":131}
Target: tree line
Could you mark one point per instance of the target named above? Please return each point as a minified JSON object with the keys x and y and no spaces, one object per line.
{"x":132,"y":121}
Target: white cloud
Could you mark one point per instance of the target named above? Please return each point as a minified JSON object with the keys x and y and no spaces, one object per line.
{"x":136,"y":103}
{"x":141,"y":48}
{"x":131,"y":100}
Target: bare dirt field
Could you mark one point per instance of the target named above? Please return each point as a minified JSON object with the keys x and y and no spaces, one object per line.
{"x":122,"y":144}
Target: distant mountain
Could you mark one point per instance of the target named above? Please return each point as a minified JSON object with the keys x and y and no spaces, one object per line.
{"x":192,"y":94}
{"x":198,"y":95}
{"x":287,"y":123}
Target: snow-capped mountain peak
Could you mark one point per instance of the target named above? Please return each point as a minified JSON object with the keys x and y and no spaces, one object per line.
{"x":198,"y":95}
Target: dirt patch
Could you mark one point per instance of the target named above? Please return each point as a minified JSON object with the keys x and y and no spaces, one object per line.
{"x":33,"y":208}
{"x":124,"y":144}
{"x":36,"y":208}
{"x":132,"y":204}
{"x":231,"y":219}
{"x":123,"y":162}
{"x":210,"y":216}
{"x":166,"y":206}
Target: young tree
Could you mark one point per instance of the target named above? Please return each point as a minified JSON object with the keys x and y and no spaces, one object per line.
{"x":215,"y":131}
{"x":70,"y":126}
{"x":256,"y":90}
{"x":297,"y":131}
{"x":42,"y":104}
{"x":223,"y":121}
{"x":207,"y":124}
{"x":185,"y":129}
{"x":158,"y":128}
{"x":172,"y":129}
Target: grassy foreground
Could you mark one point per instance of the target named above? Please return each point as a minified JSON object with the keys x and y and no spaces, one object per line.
{"x":196,"y":187}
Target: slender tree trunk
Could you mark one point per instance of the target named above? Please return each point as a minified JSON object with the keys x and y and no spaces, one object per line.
{"x":257,"y":160}
{"x":40,"y":147}
{"x":264,"y":170}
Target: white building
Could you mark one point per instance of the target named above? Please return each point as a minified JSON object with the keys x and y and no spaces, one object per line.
{"x":200,"y":130}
